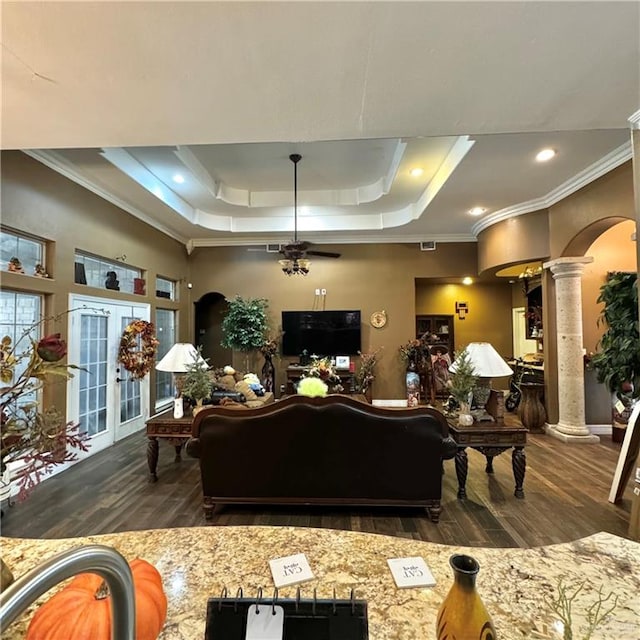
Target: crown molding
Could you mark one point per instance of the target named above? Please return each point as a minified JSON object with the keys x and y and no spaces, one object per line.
{"x":252,"y":241}
{"x":54,"y":161}
{"x":634,"y":120}
{"x":603,"y":166}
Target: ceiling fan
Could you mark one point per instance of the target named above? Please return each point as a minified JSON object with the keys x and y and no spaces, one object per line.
{"x":299,"y":249}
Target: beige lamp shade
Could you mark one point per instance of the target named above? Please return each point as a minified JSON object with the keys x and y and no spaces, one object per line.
{"x":179,"y":356}
{"x":487,"y":362}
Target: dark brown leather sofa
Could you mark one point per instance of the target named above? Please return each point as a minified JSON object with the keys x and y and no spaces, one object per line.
{"x":321,"y":451}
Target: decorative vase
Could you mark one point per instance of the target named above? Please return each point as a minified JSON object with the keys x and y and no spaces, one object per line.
{"x":531,"y":411}
{"x":462,"y":613}
{"x":465,"y":418}
{"x":413,"y":385}
{"x":6,"y":577}
{"x":268,"y":374}
{"x":197,"y":407}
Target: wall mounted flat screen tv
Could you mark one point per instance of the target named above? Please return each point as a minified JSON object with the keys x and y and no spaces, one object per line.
{"x":321,"y":333}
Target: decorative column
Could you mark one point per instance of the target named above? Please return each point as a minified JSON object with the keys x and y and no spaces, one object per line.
{"x":571,"y":425}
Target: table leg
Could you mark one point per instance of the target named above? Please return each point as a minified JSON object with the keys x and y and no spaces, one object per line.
{"x":462,"y":465}
{"x":178,"y":451}
{"x":519,"y":463}
{"x":152,"y":458}
{"x":489,"y":466}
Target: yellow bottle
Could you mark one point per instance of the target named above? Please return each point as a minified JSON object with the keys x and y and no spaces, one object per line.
{"x":462,"y":615}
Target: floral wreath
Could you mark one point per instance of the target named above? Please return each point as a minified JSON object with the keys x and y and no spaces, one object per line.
{"x":136,"y":361}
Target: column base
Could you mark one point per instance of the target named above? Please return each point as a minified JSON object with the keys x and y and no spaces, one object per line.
{"x":555,"y":431}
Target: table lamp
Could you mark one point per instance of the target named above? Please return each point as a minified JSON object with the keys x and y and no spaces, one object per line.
{"x":176,"y":361}
{"x":487,"y":364}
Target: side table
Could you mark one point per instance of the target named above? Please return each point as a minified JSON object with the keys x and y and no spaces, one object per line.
{"x":491,"y":439}
{"x":176,"y":431}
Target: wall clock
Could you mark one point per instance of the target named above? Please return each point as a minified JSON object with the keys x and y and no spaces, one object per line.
{"x":378,"y":319}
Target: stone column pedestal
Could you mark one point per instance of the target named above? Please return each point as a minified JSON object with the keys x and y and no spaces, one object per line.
{"x":571,"y":425}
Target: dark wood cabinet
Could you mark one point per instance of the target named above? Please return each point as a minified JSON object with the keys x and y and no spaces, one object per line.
{"x":439,"y":325}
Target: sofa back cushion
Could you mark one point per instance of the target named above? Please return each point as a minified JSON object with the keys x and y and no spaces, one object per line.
{"x":322,"y":450}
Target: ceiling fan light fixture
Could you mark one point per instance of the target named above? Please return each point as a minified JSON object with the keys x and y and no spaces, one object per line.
{"x":299,"y":267}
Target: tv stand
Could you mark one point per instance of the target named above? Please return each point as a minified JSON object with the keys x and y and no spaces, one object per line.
{"x":295,"y":371}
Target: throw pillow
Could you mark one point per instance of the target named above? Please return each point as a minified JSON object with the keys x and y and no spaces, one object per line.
{"x":246,"y":390}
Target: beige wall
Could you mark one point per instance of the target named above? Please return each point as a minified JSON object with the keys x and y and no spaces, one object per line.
{"x":521,"y":239}
{"x":488,"y":320}
{"x":612,"y":251}
{"x":365,"y":277}
{"x":608,"y":197}
{"x":39,"y":201}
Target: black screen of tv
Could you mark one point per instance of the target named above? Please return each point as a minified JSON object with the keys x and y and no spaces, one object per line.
{"x":321,"y":333}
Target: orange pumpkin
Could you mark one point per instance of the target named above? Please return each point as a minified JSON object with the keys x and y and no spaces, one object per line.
{"x":82,"y":609}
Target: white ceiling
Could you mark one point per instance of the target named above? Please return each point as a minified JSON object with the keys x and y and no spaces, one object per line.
{"x":120,"y":96}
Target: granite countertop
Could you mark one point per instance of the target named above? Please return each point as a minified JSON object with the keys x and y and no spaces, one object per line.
{"x":196,"y":563}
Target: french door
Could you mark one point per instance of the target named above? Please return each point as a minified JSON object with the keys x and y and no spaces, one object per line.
{"x":102,"y":397}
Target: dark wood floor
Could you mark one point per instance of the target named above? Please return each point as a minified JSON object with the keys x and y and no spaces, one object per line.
{"x":566,"y":489}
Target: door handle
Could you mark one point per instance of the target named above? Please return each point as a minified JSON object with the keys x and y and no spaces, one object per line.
{"x":121,"y":379}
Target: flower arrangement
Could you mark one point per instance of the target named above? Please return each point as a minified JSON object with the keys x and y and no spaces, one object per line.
{"x":365,"y":374}
{"x":323,"y":369}
{"x":269,"y":348}
{"x":417,"y":350}
{"x":412,"y":351}
{"x":38,"y":438}
{"x":138,"y":361}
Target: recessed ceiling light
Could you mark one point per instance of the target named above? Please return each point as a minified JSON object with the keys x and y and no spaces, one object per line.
{"x":477,"y":211}
{"x":545,"y":154}
{"x":416,"y":172}
{"x":179,"y":178}
{"x":467,"y":280}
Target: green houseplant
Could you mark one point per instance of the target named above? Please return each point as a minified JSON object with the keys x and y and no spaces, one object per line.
{"x":245,"y":325}
{"x":196,"y":383}
{"x":617,"y":361}
{"x":462,"y":382}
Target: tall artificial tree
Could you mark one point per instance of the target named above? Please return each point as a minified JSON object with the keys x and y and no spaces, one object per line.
{"x":245,"y":325}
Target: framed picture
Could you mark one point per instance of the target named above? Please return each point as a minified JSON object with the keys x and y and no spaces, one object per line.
{"x":342,"y":362}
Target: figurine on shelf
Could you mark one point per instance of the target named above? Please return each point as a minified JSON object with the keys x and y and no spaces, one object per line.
{"x":112,"y":281}
{"x":39,"y":271}
{"x":15,"y":265}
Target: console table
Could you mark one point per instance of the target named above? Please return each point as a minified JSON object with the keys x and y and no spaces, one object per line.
{"x":294,"y":373}
{"x":490,"y":439}
{"x":175,"y":431}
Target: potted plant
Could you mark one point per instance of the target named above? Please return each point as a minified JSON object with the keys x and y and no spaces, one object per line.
{"x":245,"y":325}
{"x":365,"y":374}
{"x":617,"y":362}
{"x":196,"y":383}
{"x":462,"y":382}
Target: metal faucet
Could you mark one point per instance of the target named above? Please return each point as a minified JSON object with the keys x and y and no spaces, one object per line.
{"x":104,"y":561}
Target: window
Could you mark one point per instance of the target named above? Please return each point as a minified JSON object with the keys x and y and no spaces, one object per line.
{"x":102,"y":273}
{"x":165,"y":288}
{"x":166,"y":334}
{"x":19,"y":313}
{"x":29,"y":251}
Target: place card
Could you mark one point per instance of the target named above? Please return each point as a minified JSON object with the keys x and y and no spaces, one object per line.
{"x":265,"y":622}
{"x":411,"y":572}
{"x":290,"y":570}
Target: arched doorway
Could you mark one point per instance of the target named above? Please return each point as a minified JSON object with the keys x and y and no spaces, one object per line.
{"x":209,"y":313}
